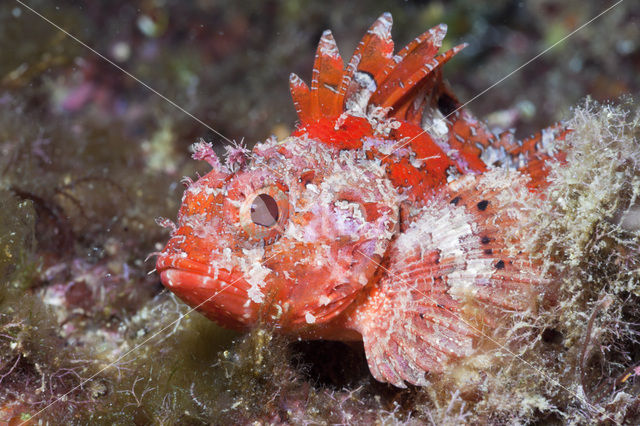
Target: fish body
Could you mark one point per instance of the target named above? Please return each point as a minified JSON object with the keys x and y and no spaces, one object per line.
{"x":391,"y":215}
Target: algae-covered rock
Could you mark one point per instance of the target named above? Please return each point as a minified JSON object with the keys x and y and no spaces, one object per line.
{"x":17,"y":245}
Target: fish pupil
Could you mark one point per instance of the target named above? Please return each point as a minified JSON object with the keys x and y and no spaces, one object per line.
{"x":264,"y":210}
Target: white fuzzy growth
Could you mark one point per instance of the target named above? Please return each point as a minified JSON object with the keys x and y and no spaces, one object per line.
{"x":349,"y":216}
{"x":384,"y":146}
{"x":203,"y":226}
{"x":295,"y":80}
{"x":210,"y":191}
{"x":309,"y":318}
{"x":439,"y":127}
{"x":435,"y":124}
{"x":365,"y":81}
{"x":548,"y":141}
{"x":326,"y":220}
{"x":330,"y":215}
{"x":492,"y":156}
{"x":379,"y":121}
{"x":438,"y":33}
{"x":254,"y":273}
{"x":356,"y":104}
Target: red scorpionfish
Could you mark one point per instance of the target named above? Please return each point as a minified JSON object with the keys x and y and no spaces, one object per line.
{"x":390,"y":215}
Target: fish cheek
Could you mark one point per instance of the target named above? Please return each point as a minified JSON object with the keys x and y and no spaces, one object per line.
{"x":311,"y":280}
{"x":318,"y":293}
{"x":367,"y":254}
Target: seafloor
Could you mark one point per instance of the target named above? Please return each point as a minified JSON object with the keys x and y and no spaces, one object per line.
{"x":91,"y":157}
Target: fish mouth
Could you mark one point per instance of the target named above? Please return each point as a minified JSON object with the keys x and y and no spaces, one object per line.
{"x":200,"y":275}
{"x":219,"y":294}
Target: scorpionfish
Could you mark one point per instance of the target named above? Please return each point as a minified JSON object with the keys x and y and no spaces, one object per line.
{"x":390,"y":215}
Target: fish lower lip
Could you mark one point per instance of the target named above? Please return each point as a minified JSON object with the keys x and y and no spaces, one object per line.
{"x":193,"y":274}
{"x":219,"y":294}
{"x":221,"y":298}
{"x":165,"y":262}
{"x":183,"y":280}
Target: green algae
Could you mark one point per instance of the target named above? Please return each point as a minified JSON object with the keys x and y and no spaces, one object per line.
{"x":17,"y":245}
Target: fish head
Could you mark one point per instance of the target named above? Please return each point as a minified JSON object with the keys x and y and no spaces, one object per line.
{"x":287,"y":235}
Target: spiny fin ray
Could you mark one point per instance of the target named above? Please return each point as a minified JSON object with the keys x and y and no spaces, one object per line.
{"x":301,"y":97}
{"x":409,"y":74}
{"x":326,"y":100}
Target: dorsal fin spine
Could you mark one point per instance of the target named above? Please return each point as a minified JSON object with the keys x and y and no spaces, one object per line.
{"x":422,"y":72}
{"x":327,"y":75}
{"x":301,"y":96}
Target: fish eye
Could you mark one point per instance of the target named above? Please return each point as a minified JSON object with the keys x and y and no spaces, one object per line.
{"x":264,"y":210}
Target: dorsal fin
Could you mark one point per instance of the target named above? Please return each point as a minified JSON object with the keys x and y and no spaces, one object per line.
{"x":373,"y":54}
{"x":328,"y":69}
{"x":408,"y":75}
{"x":301,"y":97}
{"x":374,"y":76}
{"x":412,"y":57}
